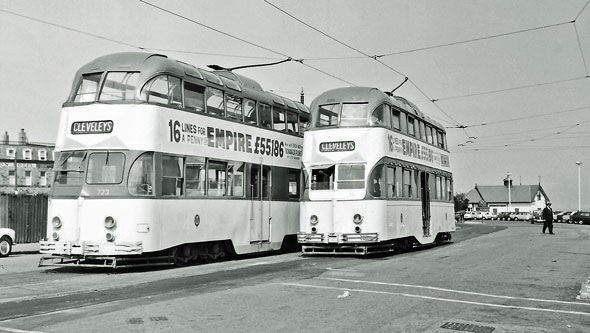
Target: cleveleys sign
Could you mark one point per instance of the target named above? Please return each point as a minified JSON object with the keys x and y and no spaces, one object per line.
{"x":329,"y":147}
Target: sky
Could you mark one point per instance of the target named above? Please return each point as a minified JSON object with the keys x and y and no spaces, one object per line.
{"x":509,"y":79}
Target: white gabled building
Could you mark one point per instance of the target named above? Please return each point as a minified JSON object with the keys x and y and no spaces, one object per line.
{"x":495,"y":198}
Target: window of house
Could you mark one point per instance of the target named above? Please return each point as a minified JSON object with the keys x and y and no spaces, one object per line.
{"x":28,"y":178}
{"x":42,"y":155}
{"x":11,"y":177}
{"x":11,"y":152}
{"x":27,"y":154}
{"x":43,"y":178}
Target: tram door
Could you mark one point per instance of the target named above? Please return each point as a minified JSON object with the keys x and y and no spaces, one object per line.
{"x":425,"y":196}
{"x":260,"y":209}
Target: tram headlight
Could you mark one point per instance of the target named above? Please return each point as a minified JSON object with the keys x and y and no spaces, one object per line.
{"x":357,"y":229}
{"x":110,"y":237}
{"x":357,"y":219}
{"x":109,"y":222}
{"x":313,"y":220}
{"x":56,"y":222}
{"x":55,"y":236}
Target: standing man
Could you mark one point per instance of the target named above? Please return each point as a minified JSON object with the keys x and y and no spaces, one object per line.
{"x":548,"y":217}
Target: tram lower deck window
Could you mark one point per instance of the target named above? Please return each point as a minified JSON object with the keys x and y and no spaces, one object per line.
{"x":323,"y":179}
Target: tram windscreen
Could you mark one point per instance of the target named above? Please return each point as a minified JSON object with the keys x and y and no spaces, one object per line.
{"x":351,"y":176}
{"x":69,"y":169}
{"x":105,"y":168}
{"x":354,"y":114}
{"x":323,"y":179}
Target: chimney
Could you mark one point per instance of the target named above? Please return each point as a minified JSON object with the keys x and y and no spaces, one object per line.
{"x":22,"y":137}
{"x":5,"y":138}
{"x":302,"y":97}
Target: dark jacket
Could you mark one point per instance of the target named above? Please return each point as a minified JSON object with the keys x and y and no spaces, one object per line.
{"x":547,"y":214}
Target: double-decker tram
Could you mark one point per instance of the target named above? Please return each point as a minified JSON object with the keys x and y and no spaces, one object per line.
{"x":160,"y":162}
{"x":377,"y":175}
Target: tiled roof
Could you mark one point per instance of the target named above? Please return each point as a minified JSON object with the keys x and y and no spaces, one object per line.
{"x":499,"y":193}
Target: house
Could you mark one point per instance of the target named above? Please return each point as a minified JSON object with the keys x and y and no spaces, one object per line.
{"x":507,"y":198}
{"x":25,"y":167}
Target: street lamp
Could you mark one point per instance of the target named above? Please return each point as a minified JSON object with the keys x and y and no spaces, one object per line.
{"x":579,"y":192}
{"x":508,"y":174}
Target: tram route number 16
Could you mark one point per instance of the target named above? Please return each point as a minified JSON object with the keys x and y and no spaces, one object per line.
{"x":175,"y":134}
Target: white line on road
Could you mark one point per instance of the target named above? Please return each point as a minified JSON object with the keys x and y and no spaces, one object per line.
{"x":455,"y":291}
{"x":14,"y":330}
{"x":438,"y":299}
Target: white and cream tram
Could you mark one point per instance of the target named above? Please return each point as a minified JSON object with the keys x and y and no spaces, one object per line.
{"x":377,"y":175}
{"x":160,"y":162}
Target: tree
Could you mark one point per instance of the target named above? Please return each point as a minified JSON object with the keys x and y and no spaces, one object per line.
{"x":461,"y":202}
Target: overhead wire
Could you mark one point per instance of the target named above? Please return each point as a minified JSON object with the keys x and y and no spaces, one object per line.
{"x":243,"y":40}
{"x":375,"y":57}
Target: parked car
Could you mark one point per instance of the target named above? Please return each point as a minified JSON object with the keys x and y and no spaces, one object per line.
{"x":555,"y":213}
{"x":488,"y":215}
{"x":522,"y":216}
{"x":537,"y":217}
{"x":513,"y":216}
{"x":580,"y":218}
{"x":559,"y":217}
{"x":7,"y":237}
{"x":504,"y":216}
{"x":567,"y":217}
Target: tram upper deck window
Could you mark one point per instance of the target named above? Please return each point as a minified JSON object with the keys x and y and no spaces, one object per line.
{"x":234,"y":107}
{"x":141,"y":175}
{"x":395,"y":119}
{"x":354,"y":114}
{"x":119,"y":86}
{"x":292,"y":122}
{"x":250,"y":114}
{"x":327,"y":115}
{"x":163,"y":89}
{"x":69,"y":169}
{"x":88,"y":88}
{"x":351,"y":176}
{"x":411,"y":129}
{"x":429,"y":138}
{"x":278,"y":119}
{"x":215,"y":103}
{"x":194,"y":97}
{"x":440,"y":140}
{"x":323,"y":179}
{"x":380,"y":116}
{"x":105,"y":168}
{"x":264,"y":112}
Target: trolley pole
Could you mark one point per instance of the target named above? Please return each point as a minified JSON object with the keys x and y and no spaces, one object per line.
{"x":579,"y":188}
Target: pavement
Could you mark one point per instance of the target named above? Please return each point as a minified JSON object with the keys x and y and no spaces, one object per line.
{"x":27,"y":248}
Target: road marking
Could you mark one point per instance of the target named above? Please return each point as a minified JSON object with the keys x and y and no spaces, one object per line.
{"x":14,"y":330}
{"x":437,"y":299}
{"x":455,"y":291}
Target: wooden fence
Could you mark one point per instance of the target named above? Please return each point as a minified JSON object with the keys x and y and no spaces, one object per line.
{"x":26,"y":214}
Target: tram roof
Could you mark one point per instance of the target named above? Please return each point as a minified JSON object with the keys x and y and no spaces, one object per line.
{"x":150,"y":64}
{"x":355,"y":94}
